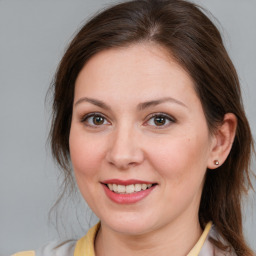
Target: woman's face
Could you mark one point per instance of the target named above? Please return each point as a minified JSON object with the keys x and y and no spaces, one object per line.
{"x":138,"y":128}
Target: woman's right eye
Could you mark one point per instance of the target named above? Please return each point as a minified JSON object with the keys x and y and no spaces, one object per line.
{"x":95,"y":120}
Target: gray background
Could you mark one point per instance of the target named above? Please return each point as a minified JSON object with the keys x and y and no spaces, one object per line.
{"x":33,"y":36}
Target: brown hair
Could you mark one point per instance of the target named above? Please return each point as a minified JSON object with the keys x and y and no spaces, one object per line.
{"x":194,"y":41}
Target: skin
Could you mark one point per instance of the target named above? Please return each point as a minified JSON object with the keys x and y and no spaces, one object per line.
{"x":129,"y":145}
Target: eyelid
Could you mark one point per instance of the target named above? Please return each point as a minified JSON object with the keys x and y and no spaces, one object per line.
{"x":161,"y":114}
{"x":170,"y":118}
{"x":92,"y":114}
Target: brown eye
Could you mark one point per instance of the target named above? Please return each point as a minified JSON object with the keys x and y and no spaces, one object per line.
{"x":98,"y":120}
{"x":94,"y":120}
{"x":159,"y":120}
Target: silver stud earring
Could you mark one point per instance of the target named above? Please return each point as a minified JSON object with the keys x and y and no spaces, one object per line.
{"x":216,"y":162}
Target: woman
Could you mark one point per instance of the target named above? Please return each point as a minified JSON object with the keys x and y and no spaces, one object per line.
{"x":148,"y":111}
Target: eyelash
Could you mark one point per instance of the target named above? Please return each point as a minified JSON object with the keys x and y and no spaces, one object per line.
{"x":85,"y":118}
{"x":165,"y":117}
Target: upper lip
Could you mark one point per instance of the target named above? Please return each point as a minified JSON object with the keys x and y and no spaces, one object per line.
{"x":126,"y":182}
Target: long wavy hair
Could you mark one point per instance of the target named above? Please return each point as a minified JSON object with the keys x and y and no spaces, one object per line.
{"x":194,"y":41}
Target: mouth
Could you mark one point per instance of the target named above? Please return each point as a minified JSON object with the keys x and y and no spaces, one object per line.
{"x":128,"y":189}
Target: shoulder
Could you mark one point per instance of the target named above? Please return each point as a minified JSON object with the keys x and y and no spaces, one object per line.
{"x":67,"y":248}
{"x":27,"y":253}
{"x":55,"y":248}
{"x":210,"y":249}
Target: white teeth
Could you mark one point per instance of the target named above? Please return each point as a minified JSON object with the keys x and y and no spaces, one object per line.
{"x":122,"y":189}
{"x":137,"y":187}
{"x":129,"y":189}
{"x":144,"y":186}
{"x":114,"y":188}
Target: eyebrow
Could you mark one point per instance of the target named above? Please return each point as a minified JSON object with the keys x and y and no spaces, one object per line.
{"x":151,"y":103}
{"x":140,"y":107}
{"x":98,"y":103}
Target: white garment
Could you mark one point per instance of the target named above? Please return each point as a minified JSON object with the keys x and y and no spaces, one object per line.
{"x":209,"y":249}
{"x":67,"y":248}
{"x":57,"y":248}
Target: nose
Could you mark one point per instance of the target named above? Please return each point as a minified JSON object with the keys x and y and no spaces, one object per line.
{"x":125,"y":149}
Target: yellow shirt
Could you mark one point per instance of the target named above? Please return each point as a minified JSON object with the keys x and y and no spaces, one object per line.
{"x":85,"y":246}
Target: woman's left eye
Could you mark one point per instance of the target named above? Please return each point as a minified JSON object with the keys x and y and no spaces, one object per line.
{"x":160,"y":120}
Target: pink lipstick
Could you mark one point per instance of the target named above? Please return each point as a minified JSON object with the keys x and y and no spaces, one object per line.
{"x":127,"y":191}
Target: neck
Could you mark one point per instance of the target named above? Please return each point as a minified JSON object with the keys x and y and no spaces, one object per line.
{"x":178,"y":238}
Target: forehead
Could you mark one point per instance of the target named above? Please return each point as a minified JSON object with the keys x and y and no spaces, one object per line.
{"x":146,"y":70}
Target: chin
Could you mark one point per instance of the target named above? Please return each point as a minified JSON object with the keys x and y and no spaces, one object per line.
{"x":129,"y":225}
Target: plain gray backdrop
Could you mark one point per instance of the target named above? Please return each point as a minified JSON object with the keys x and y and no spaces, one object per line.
{"x":33,"y":36}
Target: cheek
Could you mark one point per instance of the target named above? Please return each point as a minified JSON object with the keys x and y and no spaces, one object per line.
{"x":180,"y":159}
{"x":181,"y":164}
{"x":85,"y":153}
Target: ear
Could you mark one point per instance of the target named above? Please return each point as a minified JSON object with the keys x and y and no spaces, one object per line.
{"x":222,"y":141}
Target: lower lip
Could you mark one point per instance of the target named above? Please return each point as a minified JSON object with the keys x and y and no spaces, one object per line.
{"x":127,"y":198}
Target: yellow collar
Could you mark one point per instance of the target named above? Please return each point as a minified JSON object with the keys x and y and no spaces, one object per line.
{"x":85,"y":246}
{"x":197,"y":248}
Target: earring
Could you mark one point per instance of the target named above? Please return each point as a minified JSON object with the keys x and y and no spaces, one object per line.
{"x":216,"y":162}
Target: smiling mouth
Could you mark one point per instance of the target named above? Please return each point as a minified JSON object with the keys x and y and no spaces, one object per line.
{"x":128,"y":189}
